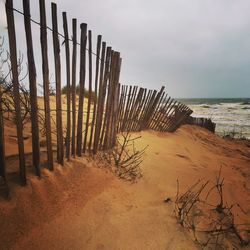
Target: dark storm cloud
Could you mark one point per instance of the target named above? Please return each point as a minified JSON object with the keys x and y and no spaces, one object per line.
{"x":197,"y":48}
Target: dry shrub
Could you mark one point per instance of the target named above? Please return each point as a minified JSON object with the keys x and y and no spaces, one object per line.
{"x":124,"y":158}
{"x":6,"y":86}
{"x":212,"y":226}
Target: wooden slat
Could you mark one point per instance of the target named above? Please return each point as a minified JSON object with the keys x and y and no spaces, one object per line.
{"x":180,"y":113}
{"x":187,"y":114}
{"x":67,"y":54}
{"x":165,"y":117}
{"x":116,"y":99}
{"x":140,"y":110}
{"x":135,"y":109}
{"x":73,"y":83}
{"x":82,"y":84}
{"x":155,"y":103}
{"x":121,"y":106}
{"x":90,"y":90}
{"x":126,"y":109}
{"x":56,"y":46}
{"x":154,"y":115}
{"x":115,"y":119}
{"x":170,"y":116}
{"x":15,"y":82}
{"x":157,"y":115}
{"x":109,"y":101}
{"x":105,"y":82}
{"x":33,"y":89}
{"x":98,"y":49}
{"x":125,"y":99}
{"x":101,"y":98}
{"x":175,"y":117}
{"x":144,"y":110}
{"x":121,"y":97}
{"x":44,"y":47}
{"x":184,"y":114}
{"x":148,"y":110}
{"x":162,"y":113}
{"x":131,"y":108}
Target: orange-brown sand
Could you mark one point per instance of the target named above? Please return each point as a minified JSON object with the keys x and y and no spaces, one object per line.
{"x":81,"y":206}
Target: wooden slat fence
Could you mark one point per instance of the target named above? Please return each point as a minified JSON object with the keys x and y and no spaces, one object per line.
{"x":202,"y":122}
{"x":149,"y":109}
{"x":92,"y":122}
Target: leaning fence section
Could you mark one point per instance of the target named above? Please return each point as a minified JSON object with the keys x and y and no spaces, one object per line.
{"x":87,"y":123}
{"x":202,"y":122}
{"x":140,"y":109}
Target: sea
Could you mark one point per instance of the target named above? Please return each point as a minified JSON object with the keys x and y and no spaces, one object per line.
{"x":232,"y":116}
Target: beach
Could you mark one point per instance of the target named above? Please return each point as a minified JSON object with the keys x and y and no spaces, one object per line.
{"x":84,"y":206}
{"x":96,"y":154}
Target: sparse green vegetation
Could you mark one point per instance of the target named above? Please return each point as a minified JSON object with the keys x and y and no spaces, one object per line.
{"x":86,"y":92}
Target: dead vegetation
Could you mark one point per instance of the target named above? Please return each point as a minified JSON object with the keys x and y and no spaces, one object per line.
{"x":7,"y":94}
{"x":124,"y":159}
{"x":212,"y":225}
{"x":6,"y":87}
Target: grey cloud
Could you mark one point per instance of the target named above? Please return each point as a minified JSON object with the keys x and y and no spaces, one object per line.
{"x":196,"y":48}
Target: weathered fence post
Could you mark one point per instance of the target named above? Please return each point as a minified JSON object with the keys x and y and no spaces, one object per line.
{"x":67,"y":53}
{"x":137,"y":109}
{"x":153,"y":107}
{"x":143,"y":110}
{"x":33,"y":88}
{"x":82,"y":84}
{"x":124,"y":122}
{"x":110,"y":100}
{"x":115,"y":117}
{"x":44,"y":48}
{"x":15,"y":82}
{"x":99,"y":116}
{"x":134,"y":110}
{"x":74,"y":52}
{"x":90,"y":91}
{"x":161,"y":115}
{"x":140,"y":110}
{"x":98,"y":48}
{"x":156,"y":113}
{"x":131,"y":108}
{"x":148,"y":110}
{"x":169,"y":116}
{"x":116,"y":93}
{"x":105,"y":81}
{"x":122,"y":102}
{"x":56,"y":46}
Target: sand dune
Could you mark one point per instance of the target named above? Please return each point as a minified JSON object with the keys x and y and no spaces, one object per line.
{"x":83,"y":206}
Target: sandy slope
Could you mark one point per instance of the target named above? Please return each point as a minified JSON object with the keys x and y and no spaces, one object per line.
{"x":85,"y":207}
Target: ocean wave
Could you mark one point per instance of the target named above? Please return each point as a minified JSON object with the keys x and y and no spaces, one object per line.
{"x":205,"y":106}
{"x":229,"y":115}
{"x":245,"y":103}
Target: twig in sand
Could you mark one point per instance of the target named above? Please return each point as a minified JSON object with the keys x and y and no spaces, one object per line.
{"x":212,"y":226}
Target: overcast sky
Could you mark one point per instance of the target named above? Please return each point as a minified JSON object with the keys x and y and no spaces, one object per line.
{"x":196,"y":48}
